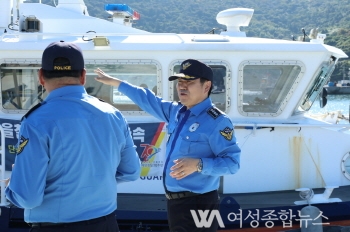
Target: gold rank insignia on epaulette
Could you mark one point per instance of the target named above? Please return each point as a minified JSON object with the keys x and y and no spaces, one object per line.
{"x":227,"y":133}
{"x":31,"y":110}
{"x":214,"y":112}
{"x":22,"y":143}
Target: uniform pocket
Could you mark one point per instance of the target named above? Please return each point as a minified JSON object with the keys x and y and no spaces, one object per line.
{"x":188,"y":141}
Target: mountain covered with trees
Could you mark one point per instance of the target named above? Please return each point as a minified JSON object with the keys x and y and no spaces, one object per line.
{"x":280,"y":19}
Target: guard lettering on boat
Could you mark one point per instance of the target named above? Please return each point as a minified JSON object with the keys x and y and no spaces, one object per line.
{"x":23,"y":142}
{"x":214,"y":112}
{"x":227,"y":133}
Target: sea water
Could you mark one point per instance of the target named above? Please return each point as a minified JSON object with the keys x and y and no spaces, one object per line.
{"x":334,"y":103}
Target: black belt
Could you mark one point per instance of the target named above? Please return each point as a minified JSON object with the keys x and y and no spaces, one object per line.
{"x":86,"y":222}
{"x":178,"y":195}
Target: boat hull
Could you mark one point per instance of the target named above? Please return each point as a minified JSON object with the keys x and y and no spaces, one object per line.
{"x":335,"y":90}
{"x":237,"y":211}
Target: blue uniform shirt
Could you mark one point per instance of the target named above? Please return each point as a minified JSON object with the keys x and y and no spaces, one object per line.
{"x":207,"y":134}
{"x":72,"y":151}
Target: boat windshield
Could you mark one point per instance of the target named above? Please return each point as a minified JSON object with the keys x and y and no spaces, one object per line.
{"x":322,"y":77}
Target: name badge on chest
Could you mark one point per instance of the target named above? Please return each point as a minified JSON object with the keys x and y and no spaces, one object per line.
{"x":194,"y":127}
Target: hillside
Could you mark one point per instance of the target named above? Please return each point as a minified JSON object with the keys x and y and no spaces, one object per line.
{"x":279,"y":19}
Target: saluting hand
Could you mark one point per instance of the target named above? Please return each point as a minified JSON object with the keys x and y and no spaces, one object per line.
{"x":183,"y":167}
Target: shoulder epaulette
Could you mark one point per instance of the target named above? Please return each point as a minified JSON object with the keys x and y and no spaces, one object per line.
{"x":214,"y":112}
{"x":31,"y":110}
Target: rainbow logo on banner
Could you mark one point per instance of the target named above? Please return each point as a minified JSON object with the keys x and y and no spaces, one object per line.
{"x":152,"y":158}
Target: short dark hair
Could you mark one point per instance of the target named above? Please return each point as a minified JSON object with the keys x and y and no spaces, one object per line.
{"x":203,"y":80}
{"x":58,"y":73}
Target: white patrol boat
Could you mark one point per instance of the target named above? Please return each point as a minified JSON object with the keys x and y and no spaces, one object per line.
{"x":266,"y":87}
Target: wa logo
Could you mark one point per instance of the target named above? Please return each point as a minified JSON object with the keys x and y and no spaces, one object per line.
{"x":206,"y":221}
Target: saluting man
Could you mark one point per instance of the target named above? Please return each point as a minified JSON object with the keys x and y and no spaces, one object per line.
{"x":201,"y":147}
{"x":73,"y":150}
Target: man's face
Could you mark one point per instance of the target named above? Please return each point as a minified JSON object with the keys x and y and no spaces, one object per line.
{"x":192,"y":92}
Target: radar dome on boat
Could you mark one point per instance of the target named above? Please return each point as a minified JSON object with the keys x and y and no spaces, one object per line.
{"x":233,"y":19}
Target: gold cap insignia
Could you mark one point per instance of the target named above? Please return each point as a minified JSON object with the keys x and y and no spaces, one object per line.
{"x":227,"y":133}
{"x":186,"y":65}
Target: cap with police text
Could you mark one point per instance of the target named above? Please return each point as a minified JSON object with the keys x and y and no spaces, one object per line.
{"x":62,"y":49}
{"x":193,"y":69}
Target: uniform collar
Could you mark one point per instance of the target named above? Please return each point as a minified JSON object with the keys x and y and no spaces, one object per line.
{"x":200,"y":107}
{"x":182,"y":109}
{"x":77,"y":90}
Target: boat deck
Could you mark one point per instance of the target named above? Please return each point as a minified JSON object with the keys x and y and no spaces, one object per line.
{"x":147,"y":212}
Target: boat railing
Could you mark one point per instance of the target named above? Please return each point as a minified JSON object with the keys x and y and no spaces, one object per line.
{"x":2,"y":167}
{"x":87,"y":35}
{"x":256,"y":126}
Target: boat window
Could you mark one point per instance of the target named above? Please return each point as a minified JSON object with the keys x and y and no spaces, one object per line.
{"x":264,"y":87}
{"x":20,"y":89}
{"x":345,"y":165}
{"x":316,"y":87}
{"x":221,"y":80}
{"x":141,"y":73}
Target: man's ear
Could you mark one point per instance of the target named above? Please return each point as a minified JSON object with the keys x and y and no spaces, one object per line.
{"x":41,"y":77}
{"x":83,"y":77}
{"x":208,"y":85}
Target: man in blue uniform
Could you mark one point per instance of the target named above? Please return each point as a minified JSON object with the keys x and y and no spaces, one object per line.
{"x":73,"y":150}
{"x":201,"y":147}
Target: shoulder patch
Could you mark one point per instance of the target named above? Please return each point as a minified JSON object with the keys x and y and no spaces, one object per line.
{"x":31,"y":110}
{"x":227,"y":133}
{"x":22,"y":143}
{"x":214,"y":112}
